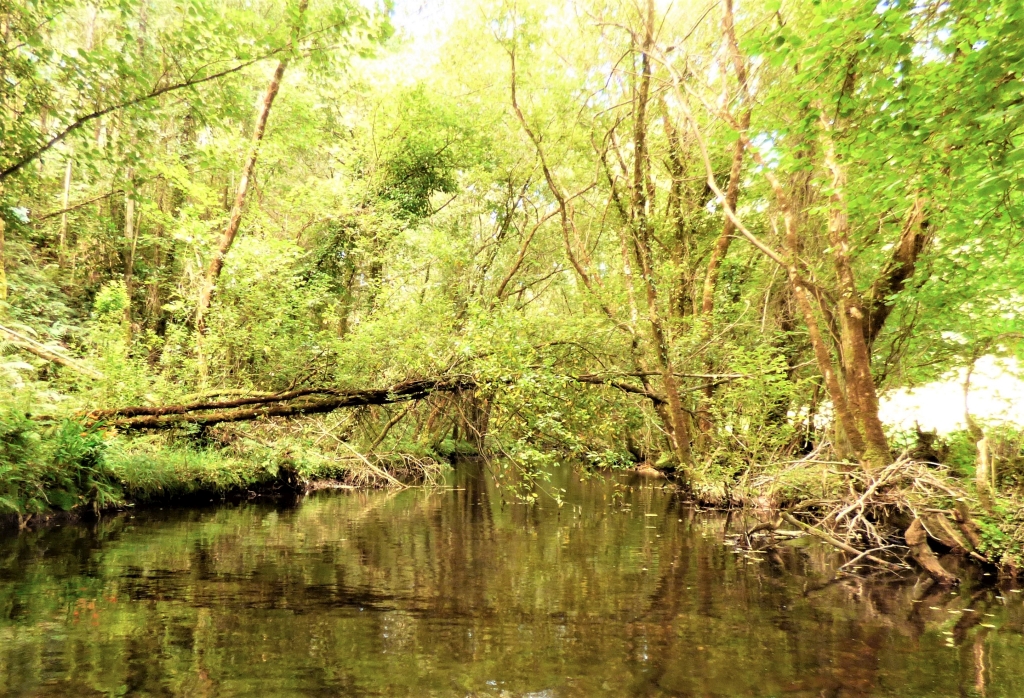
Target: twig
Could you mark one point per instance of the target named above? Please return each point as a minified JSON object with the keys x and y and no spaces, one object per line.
{"x":374,"y":469}
{"x":864,"y":554}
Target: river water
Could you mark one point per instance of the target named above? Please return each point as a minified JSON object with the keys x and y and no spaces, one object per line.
{"x":625,"y":590}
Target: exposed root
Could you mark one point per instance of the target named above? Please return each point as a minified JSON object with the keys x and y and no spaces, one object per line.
{"x":917,"y":539}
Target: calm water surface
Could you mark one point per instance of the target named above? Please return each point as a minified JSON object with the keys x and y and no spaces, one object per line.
{"x":623,"y":591}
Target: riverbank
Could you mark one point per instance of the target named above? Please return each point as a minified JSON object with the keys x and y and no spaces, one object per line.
{"x":896,"y":518}
{"x":60,"y":469}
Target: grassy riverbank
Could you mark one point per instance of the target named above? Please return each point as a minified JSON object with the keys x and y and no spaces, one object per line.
{"x":53,"y":466}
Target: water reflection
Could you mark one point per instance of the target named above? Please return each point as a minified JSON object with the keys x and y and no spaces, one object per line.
{"x":624,"y":591}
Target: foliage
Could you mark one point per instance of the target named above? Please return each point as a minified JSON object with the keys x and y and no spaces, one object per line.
{"x":575,"y":251}
{"x":57,"y":466}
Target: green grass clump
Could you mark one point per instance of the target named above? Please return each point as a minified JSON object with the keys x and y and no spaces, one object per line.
{"x":150,"y":468}
{"x":65,"y":464}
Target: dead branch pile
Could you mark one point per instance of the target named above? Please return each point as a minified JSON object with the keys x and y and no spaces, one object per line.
{"x":905,"y":511}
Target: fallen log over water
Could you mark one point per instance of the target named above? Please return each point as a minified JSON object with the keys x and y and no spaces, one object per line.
{"x":306,"y":401}
{"x":287,"y":404}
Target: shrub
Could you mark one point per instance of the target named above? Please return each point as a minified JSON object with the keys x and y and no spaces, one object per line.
{"x":59,"y":465}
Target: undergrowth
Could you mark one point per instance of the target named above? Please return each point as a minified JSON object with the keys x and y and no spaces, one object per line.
{"x":59,"y":465}
{"x":64,"y":465}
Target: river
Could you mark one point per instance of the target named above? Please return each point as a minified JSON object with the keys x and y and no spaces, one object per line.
{"x":625,"y":590}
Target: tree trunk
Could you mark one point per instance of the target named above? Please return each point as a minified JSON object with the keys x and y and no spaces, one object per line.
{"x":235,"y":219}
{"x":680,"y":420}
{"x":856,"y":356}
{"x":131,"y":234}
{"x":718,"y":252}
{"x":682,"y":301}
{"x":899,"y":269}
{"x":984,"y":470}
{"x":268,"y":407}
{"x":732,"y":191}
{"x":65,"y":202}
{"x":822,"y":354}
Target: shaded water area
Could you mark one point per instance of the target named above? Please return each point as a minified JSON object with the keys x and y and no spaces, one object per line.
{"x":623,"y":591}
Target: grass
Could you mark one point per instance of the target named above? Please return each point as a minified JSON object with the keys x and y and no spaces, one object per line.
{"x":148,"y":468}
{"x":65,"y":465}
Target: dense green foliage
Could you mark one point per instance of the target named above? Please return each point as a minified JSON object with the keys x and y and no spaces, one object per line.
{"x":647,"y":232}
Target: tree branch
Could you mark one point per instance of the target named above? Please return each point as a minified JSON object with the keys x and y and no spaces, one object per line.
{"x":86,"y":118}
{"x":33,"y":347}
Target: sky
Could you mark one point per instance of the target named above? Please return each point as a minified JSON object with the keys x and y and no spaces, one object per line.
{"x":423,"y":19}
{"x":423,"y":24}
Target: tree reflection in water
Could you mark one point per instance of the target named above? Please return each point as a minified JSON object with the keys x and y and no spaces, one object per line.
{"x":461,"y":592}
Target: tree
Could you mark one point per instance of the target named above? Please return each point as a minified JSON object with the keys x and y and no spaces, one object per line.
{"x":262,"y":114}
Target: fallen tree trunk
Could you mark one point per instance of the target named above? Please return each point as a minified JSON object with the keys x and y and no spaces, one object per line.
{"x":253,"y":399}
{"x":291,"y":403}
{"x":33,"y":347}
{"x":280,"y":405}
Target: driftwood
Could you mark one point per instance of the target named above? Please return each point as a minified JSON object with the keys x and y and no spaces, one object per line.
{"x":917,"y":540}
